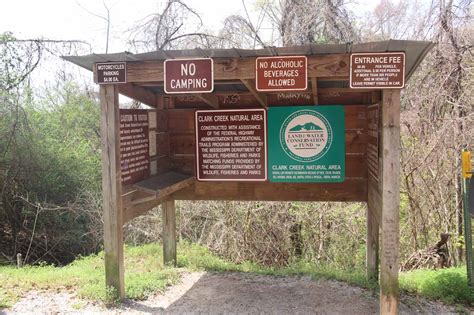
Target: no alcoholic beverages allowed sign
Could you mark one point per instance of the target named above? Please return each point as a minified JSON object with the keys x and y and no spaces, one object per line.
{"x":306,"y":144}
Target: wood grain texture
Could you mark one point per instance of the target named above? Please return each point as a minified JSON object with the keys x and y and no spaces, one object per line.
{"x":112,"y":188}
{"x":374,"y":208}
{"x":138,"y":93}
{"x":336,"y":66}
{"x":349,"y":190}
{"x":260,"y":97}
{"x":390,"y":216}
{"x":169,"y":232}
{"x":164,"y":184}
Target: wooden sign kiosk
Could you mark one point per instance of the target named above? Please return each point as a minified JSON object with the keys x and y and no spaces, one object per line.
{"x":361,"y":78}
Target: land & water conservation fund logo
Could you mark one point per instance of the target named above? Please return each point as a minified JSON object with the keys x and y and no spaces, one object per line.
{"x":306,"y":135}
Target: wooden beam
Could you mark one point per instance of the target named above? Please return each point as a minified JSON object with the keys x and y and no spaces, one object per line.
{"x":261,"y":98}
{"x":329,"y":66}
{"x":314,"y":90}
{"x":209,"y":99}
{"x":112,"y":188}
{"x":372,"y":241}
{"x":138,"y":93}
{"x":352,"y":189}
{"x":390,"y":216}
{"x":169,"y":232}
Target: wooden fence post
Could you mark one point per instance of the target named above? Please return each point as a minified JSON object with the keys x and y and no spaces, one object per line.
{"x":390,"y":216}
{"x":372,"y":241}
{"x":169,"y":232}
{"x":112,"y":188}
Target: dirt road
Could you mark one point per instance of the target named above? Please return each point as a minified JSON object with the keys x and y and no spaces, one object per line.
{"x":236,"y":293}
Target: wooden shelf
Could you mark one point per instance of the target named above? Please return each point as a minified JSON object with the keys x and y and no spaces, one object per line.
{"x":165,"y":184}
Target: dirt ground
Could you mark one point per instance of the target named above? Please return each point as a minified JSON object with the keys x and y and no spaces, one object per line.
{"x":234,"y":293}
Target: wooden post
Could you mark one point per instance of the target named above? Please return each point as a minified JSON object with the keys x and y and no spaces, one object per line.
{"x":390,"y":216}
{"x":169,"y":232}
{"x":372,"y":241}
{"x":112,"y":188}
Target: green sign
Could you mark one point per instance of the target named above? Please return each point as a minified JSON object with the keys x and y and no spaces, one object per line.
{"x":306,"y":144}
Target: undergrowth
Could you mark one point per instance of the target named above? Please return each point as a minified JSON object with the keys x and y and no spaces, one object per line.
{"x":145,"y":274}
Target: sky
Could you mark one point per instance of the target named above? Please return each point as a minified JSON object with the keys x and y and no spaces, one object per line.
{"x":75,"y":20}
{"x":72,"y":19}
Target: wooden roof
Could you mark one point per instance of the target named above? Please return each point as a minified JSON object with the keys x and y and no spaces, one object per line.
{"x":415,"y":52}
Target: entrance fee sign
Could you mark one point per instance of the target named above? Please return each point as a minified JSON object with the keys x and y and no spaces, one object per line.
{"x":307,"y":144}
{"x":111,"y":72}
{"x":134,"y":145}
{"x":230,"y":145}
{"x":188,"y":76}
{"x":377,"y":70}
{"x":281,"y":73}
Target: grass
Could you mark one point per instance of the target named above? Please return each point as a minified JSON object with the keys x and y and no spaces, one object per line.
{"x":145,"y":274}
{"x":447,"y":285}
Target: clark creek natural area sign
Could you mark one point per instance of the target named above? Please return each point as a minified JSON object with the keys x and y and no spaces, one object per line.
{"x":307,"y":144}
{"x":377,"y":70}
{"x":188,"y":76}
{"x":287,"y":73}
{"x":231,"y":145}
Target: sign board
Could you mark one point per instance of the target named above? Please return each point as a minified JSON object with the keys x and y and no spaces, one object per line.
{"x":373,"y":141}
{"x":307,"y":144}
{"x":134,"y":145}
{"x":281,"y":73}
{"x":111,"y":72}
{"x":377,"y":70}
{"x":231,"y":145}
{"x":188,"y":76}
{"x":466,"y":158}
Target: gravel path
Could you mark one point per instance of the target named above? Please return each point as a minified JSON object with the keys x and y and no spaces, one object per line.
{"x":234,"y":293}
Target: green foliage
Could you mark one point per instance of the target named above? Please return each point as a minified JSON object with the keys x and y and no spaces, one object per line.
{"x":53,"y":178}
{"x":65,"y":133}
{"x":145,"y":275}
{"x":448,"y":285}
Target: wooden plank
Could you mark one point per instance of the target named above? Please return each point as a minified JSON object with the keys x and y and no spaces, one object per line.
{"x":246,"y":99}
{"x":153,"y":191}
{"x":163,"y":163}
{"x":162,"y":143}
{"x":347,"y":98}
{"x":181,"y":120}
{"x":349,"y":190}
{"x":209,"y":99}
{"x":169,"y":232}
{"x":334,"y":65}
{"x":161,"y":120}
{"x":132,"y":210}
{"x":374,"y":206}
{"x":164,"y":184}
{"x":112,"y":188}
{"x":183,"y":143}
{"x":314,"y":90}
{"x":260,"y":97}
{"x":183,"y":163}
{"x":390,"y":216}
{"x":138,"y":93}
